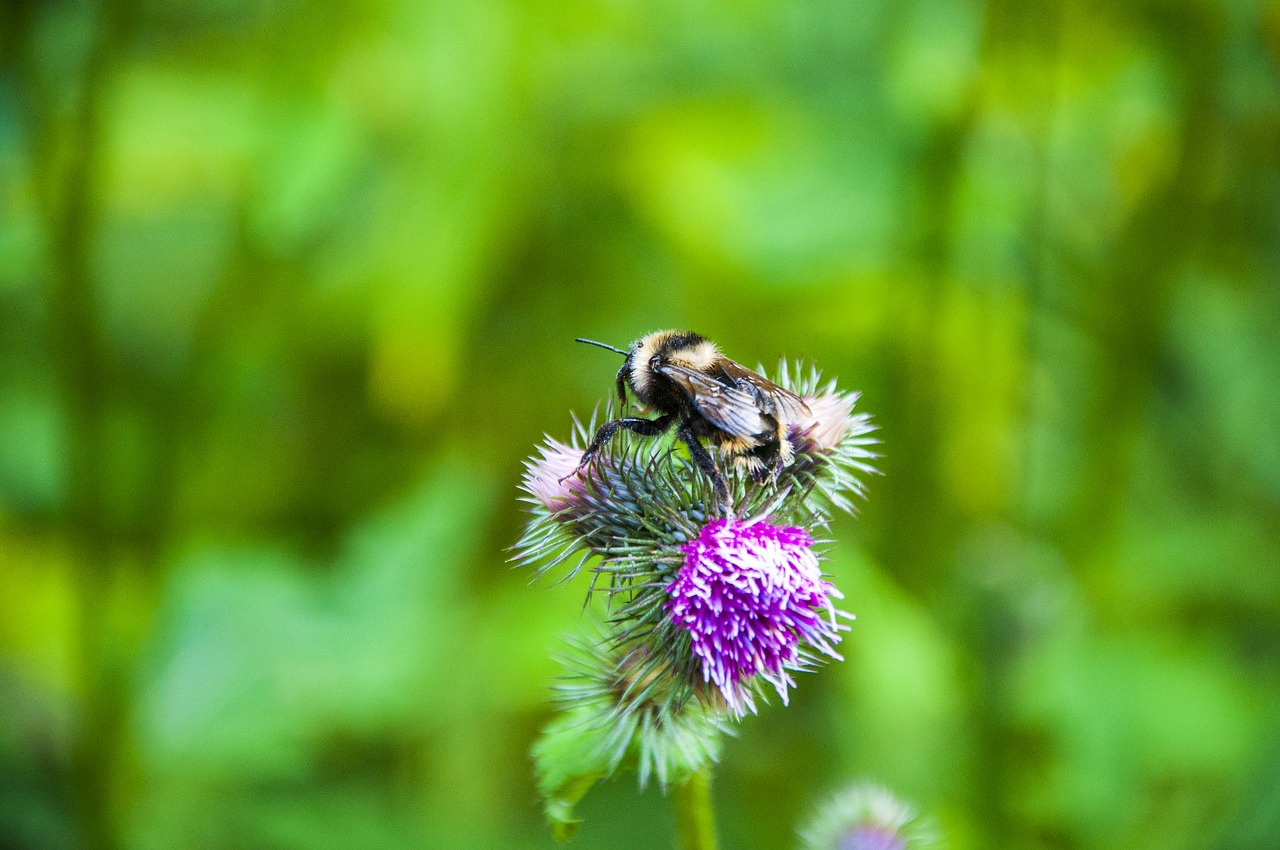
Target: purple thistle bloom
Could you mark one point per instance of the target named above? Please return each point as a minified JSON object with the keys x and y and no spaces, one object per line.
{"x":749,"y":594}
{"x":871,"y":838}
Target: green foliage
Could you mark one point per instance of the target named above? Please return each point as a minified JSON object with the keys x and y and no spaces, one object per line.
{"x":288,"y":290}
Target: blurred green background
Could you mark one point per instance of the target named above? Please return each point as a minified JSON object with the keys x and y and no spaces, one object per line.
{"x":287,"y":291}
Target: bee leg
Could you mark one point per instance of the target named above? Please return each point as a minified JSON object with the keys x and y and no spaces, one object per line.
{"x":643,"y":427}
{"x":621,"y":381}
{"x":707,"y":464}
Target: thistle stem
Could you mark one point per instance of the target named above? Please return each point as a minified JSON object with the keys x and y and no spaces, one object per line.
{"x":695,"y":819}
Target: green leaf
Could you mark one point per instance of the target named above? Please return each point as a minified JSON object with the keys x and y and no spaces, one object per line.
{"x":567,"y":763}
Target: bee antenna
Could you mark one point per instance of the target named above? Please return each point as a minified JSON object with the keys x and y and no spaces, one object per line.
{"x":601,"y":344}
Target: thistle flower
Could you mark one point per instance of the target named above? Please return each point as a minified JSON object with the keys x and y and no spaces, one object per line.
{"x":865,"y":816}
{"x":749,"y":595}
{"x":550,"y":477}
{"x":828,"y":420}
{"x":831,"y":444}
{"x":702,"y":613}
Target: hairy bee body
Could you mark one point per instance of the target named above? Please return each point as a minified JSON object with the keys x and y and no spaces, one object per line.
{"x":684,"y":378}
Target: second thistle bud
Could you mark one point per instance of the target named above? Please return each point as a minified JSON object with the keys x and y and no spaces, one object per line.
{"x":865,"y":816}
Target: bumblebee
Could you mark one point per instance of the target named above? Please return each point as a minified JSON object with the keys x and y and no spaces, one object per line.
{"x":684,"y":378}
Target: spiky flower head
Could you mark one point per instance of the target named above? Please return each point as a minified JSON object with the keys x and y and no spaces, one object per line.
{"x":828,"y":419}
{"x":866,"y":816}
{"x":551,"y":477}
{"x":749,"y":594}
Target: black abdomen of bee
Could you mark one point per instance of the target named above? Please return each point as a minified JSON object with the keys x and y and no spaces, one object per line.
{"x":759,"y":456}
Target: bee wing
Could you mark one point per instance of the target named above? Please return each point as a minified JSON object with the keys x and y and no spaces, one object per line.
{"x":788,"y":406}
{"x":730,"y":409}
